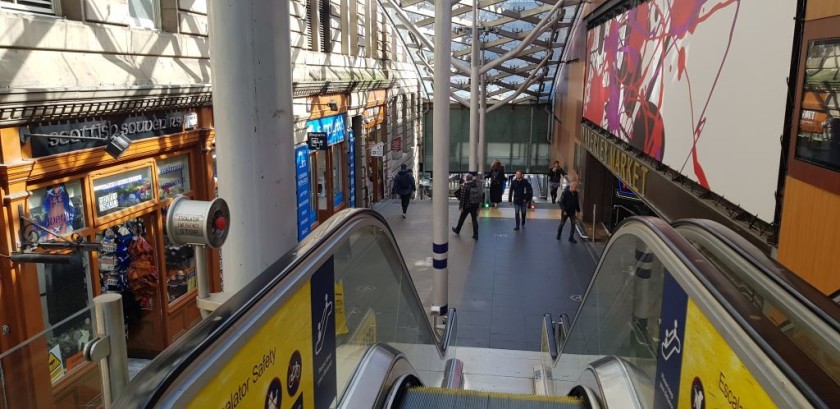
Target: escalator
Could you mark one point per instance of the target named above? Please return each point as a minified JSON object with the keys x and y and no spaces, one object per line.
{"x":683,"y":316}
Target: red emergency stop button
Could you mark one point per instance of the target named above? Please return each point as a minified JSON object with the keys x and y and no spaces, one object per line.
{"x":220,"y":223}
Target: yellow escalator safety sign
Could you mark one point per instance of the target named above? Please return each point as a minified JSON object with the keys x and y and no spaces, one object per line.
{"x":340,"y":316}
{"x":55,"y":365}
{"x":712,"y":374}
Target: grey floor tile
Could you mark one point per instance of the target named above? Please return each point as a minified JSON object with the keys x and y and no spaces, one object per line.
{"x":502,"y":283}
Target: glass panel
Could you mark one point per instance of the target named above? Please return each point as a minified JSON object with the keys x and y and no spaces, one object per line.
{"x":48,"y":359}
{"x":380,"y":306}
{"x":321,"y":172}
{"x":119,"y":192}
{"x":338,"y":181}
{"x":621,"y":312}
{"x":142,"y":13}
{"x":791,"y":322}
{"x":58,"y":208}
{"x":180,"y":266}
{"x":173,"y":176}
{"x":818,"y":140}
{"x":127,"y":265}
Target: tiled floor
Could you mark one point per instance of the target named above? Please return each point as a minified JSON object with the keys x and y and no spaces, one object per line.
{"x":503,"y":283}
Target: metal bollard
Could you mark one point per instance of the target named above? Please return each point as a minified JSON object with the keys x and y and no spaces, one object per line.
{"x":109,"y":347}
{"x":202,"y":276}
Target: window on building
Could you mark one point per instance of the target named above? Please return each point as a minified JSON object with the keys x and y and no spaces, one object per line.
{"x":142,"y":13}
{"x":35,"y":6}
{"x":818,"y":137}
{"x":310,"y":21}
{"x":325,"y":25}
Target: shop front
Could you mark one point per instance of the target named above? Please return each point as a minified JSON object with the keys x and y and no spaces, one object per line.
{"x":375,"y":136}
{"x":323,"y":172}
{"x":74,"y":190}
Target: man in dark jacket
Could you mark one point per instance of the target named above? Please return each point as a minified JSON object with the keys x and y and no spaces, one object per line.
{"x":404,"y":186}
{"x":520,"y":190}
{"x":555,"y":176}
{"x":467,"y":206}
{"x":570,"y":205}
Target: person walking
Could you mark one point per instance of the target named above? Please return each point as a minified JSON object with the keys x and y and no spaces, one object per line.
{"x":521,"y":191}
{"x":555,"y":176}
{"x":470,"y":196}
{"x":404,"y":186}
{"x":571,"y":206}
{"x":497,"y":182}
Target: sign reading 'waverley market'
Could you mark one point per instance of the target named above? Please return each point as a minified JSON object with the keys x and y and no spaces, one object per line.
{"x":620,"y":161}
{"x":133,"y":127}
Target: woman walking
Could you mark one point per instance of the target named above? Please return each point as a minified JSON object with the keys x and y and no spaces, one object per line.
{"x":497,"y":182}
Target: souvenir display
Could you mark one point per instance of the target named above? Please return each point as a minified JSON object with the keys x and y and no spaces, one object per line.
{"x":126,"y":262}
{"x":118,"y":192}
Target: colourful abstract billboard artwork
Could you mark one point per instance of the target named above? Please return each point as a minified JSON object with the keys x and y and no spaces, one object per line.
{"x":681,"y":80}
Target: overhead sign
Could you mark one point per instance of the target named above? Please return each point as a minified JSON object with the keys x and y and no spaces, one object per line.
{"x":317,"y":141}
{"x":376,"y":150}
{"x":333,"y":126}
{"x":198,"y":222}
{"x":618,"y":160}
{"x":133,"y":127}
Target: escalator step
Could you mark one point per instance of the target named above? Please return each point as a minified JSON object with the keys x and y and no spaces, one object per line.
{"x":428,"y":398}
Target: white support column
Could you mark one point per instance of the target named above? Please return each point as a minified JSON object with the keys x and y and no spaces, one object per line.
{"x":440,"y":135}
{"x":475,"y":65}
{"x":252,"y":104}
{"x":482,"y":139}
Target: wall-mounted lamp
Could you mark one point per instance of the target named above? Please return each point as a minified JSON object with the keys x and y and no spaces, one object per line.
{"x":117,"y":145}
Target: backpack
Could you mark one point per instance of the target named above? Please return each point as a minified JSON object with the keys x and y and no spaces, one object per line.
{"x":476,"y":195}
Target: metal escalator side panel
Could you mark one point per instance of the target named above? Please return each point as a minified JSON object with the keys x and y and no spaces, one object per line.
{"x":613,"y":384}
{"x":612,"y":321}
{"x":792,"y":283}
{"x":183,"y":370}
{"x":804,"y":343}
{"x":381,"y":370}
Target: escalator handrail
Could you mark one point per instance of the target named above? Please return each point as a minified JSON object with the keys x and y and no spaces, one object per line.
{"x":817,"y":302}
{"x":791,"y":361}
{"x":159,"y":375}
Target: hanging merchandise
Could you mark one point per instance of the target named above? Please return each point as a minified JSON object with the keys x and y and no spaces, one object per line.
{"x":126,"y":263}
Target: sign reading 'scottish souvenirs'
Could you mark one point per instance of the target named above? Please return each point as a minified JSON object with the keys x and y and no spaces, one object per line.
{"x":333,"y":126}
{"x":133,"y":127}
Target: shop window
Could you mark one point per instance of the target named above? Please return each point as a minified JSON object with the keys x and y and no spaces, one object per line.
{"x":127,"y":266}
{"x":338,"y":181}
{"x":65,"y":288}
{"x":321,"y":166}
{"x":35,"y":6}
{"x":173,"y":176}
{"x":58,"y":208}
{"x":818,"y":138}
{"x":180,"y":267}
{"x":122,"y":191}
{"x":142,"y":13}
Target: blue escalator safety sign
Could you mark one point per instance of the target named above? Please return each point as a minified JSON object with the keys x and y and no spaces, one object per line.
{"x":323,"y":334}
{"x":304,"y":205}
{"x":672,"y":338}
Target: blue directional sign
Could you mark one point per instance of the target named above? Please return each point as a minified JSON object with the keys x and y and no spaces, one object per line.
{"x":304,"y":205}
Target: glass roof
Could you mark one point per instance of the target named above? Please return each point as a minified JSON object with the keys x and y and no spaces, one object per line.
{"x":503,"y":25}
